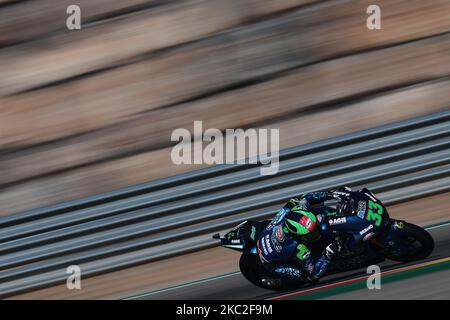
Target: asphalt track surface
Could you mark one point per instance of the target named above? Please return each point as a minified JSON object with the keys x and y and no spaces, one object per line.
{"x":434,"y":286}
{"x":425,"y":279}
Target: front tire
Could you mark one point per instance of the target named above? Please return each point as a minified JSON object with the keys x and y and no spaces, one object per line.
{"x":416,"y":237}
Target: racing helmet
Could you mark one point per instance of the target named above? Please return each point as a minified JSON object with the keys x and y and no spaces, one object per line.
{"x":301,"y":225}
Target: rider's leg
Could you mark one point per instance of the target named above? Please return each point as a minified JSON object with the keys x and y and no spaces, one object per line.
{"x":283,"y":275}
{"x":289,"y":271}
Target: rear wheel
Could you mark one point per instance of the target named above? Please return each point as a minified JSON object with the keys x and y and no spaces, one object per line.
{"x":418,"y":242}
{"x":251,"y":269}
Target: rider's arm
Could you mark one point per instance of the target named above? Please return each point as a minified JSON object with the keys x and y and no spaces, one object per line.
{"x":314,"y":269}
{"x":306,"y":200}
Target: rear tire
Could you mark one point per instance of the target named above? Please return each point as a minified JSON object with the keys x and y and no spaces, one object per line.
{"x":252,"y":270}
{"x":413,"y":232}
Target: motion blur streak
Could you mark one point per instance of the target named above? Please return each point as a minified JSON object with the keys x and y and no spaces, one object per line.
{"x":89,"y":111}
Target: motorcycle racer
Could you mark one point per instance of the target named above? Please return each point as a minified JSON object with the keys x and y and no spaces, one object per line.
{"x":286,"y":245}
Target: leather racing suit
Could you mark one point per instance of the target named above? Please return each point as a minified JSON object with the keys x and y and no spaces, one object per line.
{"x":288,"y":256}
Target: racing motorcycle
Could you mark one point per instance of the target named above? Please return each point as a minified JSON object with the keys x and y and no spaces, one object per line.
{"x":385,"y":238}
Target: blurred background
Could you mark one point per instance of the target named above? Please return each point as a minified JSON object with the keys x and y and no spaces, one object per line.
{"x":89,"y":111}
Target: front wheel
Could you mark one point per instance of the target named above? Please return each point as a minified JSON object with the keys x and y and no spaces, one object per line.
{"x":413,"y":243}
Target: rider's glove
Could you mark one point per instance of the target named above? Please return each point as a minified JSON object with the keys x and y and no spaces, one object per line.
{"x":293,"y":202}
{"x":340,"y":192}
{"x":332,"y":249}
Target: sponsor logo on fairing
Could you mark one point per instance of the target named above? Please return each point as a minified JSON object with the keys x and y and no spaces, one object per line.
{"x":366,"y":229}
{"x":336,"y":221}
{"x":362,"y":207}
